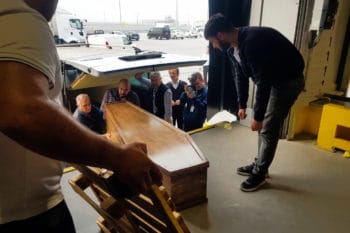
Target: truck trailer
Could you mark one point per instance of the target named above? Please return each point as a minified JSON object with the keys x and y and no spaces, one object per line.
{"x":67,"y":28}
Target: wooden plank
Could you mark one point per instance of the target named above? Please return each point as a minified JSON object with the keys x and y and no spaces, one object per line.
{"x":171,"y":148}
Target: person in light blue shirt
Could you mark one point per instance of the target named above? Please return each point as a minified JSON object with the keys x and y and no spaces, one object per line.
{"x":141,"y":86}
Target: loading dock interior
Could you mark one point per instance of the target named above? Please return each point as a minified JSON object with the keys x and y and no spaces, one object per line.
{"x":307,"y":190}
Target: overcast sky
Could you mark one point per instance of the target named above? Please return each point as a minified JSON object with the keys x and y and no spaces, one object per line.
{"x":133,"y":11}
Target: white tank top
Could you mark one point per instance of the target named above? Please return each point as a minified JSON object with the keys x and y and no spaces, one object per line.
{"x":29,"y":183}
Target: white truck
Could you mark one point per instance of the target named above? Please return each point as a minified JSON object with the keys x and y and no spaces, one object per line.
{"x":67,"y":28}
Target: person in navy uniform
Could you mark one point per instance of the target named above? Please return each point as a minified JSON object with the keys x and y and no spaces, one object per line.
{"x":177,"y":87}
{"x":194,"y":102}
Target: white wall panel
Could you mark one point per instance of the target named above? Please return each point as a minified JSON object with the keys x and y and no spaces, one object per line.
{"x":281,"y":15}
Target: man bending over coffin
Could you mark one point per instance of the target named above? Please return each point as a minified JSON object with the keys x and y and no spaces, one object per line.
{"x":122,"y":93}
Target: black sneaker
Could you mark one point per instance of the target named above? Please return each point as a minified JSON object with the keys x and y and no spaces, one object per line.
{"x":246,"y":170}
{"x":253,"y":183}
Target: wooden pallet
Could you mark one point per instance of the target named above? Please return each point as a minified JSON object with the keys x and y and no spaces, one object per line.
{"x":150,"y":212}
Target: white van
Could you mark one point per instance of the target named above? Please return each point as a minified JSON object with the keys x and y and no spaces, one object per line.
{"x":108,"y":40}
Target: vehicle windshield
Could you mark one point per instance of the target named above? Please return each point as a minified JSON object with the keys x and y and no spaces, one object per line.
{"x":76,"y":23}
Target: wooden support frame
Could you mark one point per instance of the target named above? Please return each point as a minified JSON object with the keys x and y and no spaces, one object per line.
{"x":150,"y":212}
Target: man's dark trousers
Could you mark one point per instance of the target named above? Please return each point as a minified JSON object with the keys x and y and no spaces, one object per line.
{"x":178,"y":116}
{"x":281,"y":100}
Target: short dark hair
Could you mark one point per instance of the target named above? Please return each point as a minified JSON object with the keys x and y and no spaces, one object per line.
{"x":217,"y":23}
{"x":194,"y":76}
{"x":177,"y":70}
{"x":125,"y":81}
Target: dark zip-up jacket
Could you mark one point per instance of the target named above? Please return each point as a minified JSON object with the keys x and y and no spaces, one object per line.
{"x":195,"y":110}
{"x":270,"y":59}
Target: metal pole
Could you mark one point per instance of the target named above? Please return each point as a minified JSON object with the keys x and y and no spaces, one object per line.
{"x":120,"y":12}
{"x":177,"y":13}
{"x":261,"y":12}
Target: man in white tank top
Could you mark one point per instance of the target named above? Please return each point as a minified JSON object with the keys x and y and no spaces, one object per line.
{"x":36,"y":132}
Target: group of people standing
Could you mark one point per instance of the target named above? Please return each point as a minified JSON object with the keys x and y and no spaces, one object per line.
{"x":189,"y":101}
{"x":184,"y":105}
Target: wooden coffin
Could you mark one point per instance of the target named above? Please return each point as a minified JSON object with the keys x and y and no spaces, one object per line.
{"x":182,"y":164}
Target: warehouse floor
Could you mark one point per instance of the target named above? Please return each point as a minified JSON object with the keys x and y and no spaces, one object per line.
{"x":308,"y":189}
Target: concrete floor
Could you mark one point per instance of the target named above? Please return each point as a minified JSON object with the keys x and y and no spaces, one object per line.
{"x":308,"y":189}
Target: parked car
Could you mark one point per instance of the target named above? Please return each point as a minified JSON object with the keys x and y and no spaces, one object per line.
{"x":133,"y":36}
{"x":191,"y":34}
{"x":200,"y":32}
{"x":119,"y":33}
{"x":159,"y":33}
{"x":122,"y":34}
{"x":108,"y":40}
{"x":177,"y":34}
{"x":95,"y":32}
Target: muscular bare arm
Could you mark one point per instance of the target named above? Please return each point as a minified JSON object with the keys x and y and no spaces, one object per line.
{"x":38,"y":123}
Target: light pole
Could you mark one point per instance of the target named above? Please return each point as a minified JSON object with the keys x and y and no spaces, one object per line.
{"x":120,"y":12}
{"x":177,"y":13}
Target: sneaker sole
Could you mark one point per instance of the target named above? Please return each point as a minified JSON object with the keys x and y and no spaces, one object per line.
{"x":248,"y":174}
{"x":243,"y":173}
{"x":253,"y":189}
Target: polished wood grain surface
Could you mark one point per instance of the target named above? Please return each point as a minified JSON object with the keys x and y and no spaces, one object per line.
{"x":171,"y":148}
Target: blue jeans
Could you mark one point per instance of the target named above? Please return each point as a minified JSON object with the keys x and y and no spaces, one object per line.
{"x":56,"y":220}
{"x":280,"y":101}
